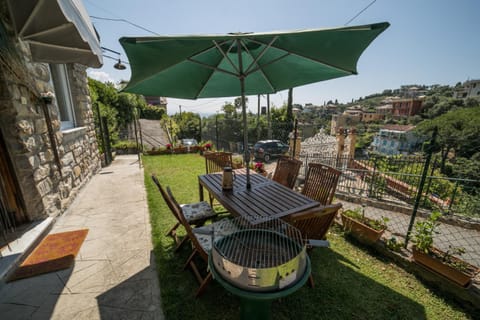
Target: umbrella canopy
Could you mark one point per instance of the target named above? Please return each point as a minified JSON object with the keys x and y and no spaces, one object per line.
{"x":240,"y":64}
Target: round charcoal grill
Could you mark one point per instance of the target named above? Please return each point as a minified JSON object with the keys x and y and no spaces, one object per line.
{"x":259,"y":263}
{"x":259,"y":260}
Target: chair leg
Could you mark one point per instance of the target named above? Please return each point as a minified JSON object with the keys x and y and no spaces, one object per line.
{"x":190,"y":259}
{"x":170,"y":232}
{"x":180,"y":243}
{"x":204,"y":284}
{"x":211,"y":200}
{"x":311,"y":283}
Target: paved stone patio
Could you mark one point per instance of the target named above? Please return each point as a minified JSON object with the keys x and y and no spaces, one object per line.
{"x":114,"y":275}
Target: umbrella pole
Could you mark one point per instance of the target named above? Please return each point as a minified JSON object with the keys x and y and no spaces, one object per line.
{"x":245,"y":134}
{"x":246,"y":152}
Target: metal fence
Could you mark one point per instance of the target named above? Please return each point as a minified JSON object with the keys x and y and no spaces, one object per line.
{"x":227,"y":134}
{"x":394,"y":183}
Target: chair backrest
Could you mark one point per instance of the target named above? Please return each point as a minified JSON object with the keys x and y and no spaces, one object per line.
{"x":216,"y":161}
{"x":186,"y":225}
{"x":321,"y":182}
{"x":315,"y":224}
{"x":286,"y":171}
{"x":167,"y":199}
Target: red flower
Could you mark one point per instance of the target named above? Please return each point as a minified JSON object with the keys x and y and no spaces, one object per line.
{"x":169,"y":146}
{"x":259,"y":167}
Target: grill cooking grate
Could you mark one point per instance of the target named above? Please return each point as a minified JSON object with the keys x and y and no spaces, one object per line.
{"x":265,"y":245}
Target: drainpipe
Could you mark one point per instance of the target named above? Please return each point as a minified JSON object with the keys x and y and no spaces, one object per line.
{"x":51,"y":135}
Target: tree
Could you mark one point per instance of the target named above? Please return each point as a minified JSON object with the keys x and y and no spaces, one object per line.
{"x":188,"y":125}
{"x":238,"y":105}
{"x":229,"y":109}
{"x":127,"y":102}
{"x":458,"y":132}
{"x":104,"y":99}
{"x":289,"y":116}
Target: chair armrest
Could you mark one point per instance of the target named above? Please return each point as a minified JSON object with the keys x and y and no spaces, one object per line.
{"x":314,"y":212}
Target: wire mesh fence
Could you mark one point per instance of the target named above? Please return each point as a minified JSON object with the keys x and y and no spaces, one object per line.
{"x":394,"y":183}
{"x":227,"y":134}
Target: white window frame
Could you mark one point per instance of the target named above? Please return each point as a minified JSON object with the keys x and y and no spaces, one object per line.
{"x":63,"y":95}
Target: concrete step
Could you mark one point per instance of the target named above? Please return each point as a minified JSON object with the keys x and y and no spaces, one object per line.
{"x":15,"y":251}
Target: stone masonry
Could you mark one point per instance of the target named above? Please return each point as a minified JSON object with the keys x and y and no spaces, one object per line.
{"x":48,"y":184}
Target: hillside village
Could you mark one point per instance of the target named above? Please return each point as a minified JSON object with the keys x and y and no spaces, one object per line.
{"x":392,"y":115}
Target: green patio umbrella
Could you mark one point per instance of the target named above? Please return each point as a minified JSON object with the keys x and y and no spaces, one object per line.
{"x":239,"y":64}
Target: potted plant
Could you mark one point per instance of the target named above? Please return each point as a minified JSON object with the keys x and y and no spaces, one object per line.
{"x":259,"y":167}
{"x":237,"y":162}
{"x":364,"y":229}
{"x":207,"y":146}
{"x":445,"y":263}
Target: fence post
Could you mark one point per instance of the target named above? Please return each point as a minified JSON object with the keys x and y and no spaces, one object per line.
{"x":429,"y":150}
{"x":295,"y":133}
{"x":306,"y":165}
{"x":430,"y":179}
{"x":216,"y":132}
{"x":454,"y":194}
{"x":107,"y":147}
{"x":372,"y":183}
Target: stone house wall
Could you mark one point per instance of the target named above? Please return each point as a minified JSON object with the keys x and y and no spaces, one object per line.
{"x":47,"y":183}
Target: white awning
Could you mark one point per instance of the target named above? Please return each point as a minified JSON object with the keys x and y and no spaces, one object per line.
{"x":58,"y":31}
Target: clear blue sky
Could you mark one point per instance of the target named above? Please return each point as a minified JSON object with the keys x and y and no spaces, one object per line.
{"x":428,"y":42}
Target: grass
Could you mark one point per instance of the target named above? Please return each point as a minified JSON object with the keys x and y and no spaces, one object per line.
{"x":350,"y":282}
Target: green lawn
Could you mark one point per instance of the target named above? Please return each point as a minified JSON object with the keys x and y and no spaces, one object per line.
{"x":350,"y":282}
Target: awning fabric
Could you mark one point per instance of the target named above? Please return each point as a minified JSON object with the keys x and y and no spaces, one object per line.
{"x":58,"y":31}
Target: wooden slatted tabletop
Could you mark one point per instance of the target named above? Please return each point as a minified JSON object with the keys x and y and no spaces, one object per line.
{"x":265,"y":200}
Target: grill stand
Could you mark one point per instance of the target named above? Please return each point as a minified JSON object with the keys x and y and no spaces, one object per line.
{"x":256,"y":305}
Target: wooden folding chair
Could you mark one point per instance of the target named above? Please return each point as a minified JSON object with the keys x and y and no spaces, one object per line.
{"x":201,"y":238}
{"x":195,"y":213}
{"x":215,"y":162}
{"x":314,"y":225}
{"x":286,"y":171}
{"x":321,"y":182}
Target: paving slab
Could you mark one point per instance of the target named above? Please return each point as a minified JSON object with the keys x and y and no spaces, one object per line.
{"x":114,"y":275}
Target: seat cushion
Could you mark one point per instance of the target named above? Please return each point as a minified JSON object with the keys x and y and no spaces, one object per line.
{"x":204,"y":234}
{"x":197,"y":211}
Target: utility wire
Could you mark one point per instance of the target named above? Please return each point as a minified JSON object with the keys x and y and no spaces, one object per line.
{"x":126,"y":21}
{"x":360,"y":12}
{"x":113,"y":58}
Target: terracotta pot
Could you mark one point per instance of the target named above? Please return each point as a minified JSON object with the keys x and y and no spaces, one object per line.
{"x":361,"y":231}
{"x":434,"y":264}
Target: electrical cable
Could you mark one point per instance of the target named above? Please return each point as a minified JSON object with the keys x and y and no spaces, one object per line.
{"x":116,"y":59}
{"x":126,"y":21}
{"x":368,"y":6}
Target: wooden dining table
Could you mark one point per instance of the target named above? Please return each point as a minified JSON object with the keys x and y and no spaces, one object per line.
{"x":265,"y":200}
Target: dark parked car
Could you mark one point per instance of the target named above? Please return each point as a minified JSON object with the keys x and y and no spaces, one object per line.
{"x":268,"y":149}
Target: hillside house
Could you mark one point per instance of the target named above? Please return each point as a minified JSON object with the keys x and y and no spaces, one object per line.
{"x":403,"y":108}
{"x":468,"y":89}
{"x":396,"y":139}
{"x":371,"y":116}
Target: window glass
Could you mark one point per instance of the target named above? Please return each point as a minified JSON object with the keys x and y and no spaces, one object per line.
{"x":63,"y":95}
